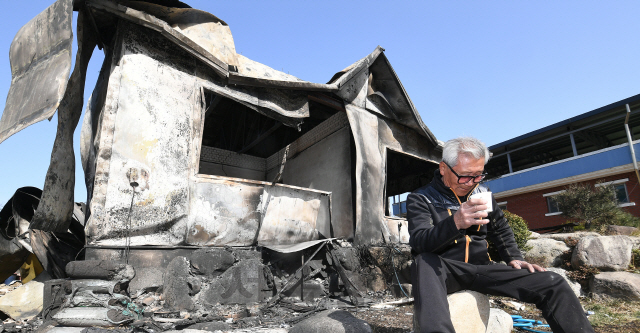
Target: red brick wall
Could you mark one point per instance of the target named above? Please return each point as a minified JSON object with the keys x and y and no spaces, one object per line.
{"x":532,"y":206}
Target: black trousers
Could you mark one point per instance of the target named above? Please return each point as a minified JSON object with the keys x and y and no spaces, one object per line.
{"x":435,"y":277}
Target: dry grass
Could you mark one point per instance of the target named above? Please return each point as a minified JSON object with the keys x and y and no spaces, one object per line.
{"x":612,"y":312}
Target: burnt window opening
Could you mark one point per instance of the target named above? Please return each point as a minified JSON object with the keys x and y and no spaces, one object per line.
{"x":239,"y":142}
{"x":405,"y":174}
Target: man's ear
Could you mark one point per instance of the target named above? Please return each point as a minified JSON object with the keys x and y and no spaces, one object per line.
{"x":442,"y":166}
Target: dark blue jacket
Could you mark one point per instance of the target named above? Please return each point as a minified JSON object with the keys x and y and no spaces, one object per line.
{"x":430,"y":211}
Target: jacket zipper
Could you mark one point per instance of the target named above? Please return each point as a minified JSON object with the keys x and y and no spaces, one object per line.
{"x":468,"y":239}
{"x":466,"y":249}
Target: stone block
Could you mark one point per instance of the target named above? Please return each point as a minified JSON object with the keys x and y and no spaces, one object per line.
{"x":499,"y":322}
{"x":24,"y":302}
{"x":240,"y":284}
{"x":335,"y":321}
{"x":469,"y":311}
{"x":374,"y":279}
{"x":211,"y":262}
{"x":397,"y":292}
{"x":606,"y":253}
{"x":109,"y":270}
{"x":546,"y":251}
{"x":621,"y":230}
{"x":146,"y":278}
{"x":575,"y":286}
{"x":176,"y":287}
{"x":348,"y":257}
{"x":622,"y":285}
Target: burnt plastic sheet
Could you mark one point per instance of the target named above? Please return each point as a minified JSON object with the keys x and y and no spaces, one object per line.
{"x":56,"y":206}
{"x":40,"y":57}
{"x":14,"y":223}
{"x":54,"y":250}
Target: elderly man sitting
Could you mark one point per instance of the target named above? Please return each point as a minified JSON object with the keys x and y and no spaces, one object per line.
{"x":448,"y":233}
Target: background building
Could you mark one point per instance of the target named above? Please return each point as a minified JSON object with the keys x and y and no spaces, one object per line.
{"x":527,"y":171}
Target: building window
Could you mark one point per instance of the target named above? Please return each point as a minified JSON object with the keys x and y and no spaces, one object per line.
{"x":405,"y":173}
{"x":621,"y":193}
{"x":552,"y":205}
{"x":502,"y":205}
{"x":620,"y":190}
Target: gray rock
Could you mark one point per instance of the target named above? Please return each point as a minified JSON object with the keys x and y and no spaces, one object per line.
{"x":469,"y":311}
{"x":620,"y":230}
{"x":176,"y":287}
{"x":211,"y":262}
{"x":240,"y":284}
{"x":109,"y":270}
{"x":348,"y":257}
{"x":534,"y":235}
{"x":210,"y":326}
{"x":546,"y":251}
{"x":499,"y":322}
{"x":635,"y":241}
{"x":574,"y":235}
{"x":146,"y":278}
{"x":335,"y":321}
{"x":623,"y":285}
{"x":63,"y":329}
{"x":575,"y":286}
{"x":375,"y":278}
{"x":606,"y":253}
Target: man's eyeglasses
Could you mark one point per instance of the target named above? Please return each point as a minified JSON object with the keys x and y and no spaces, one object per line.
{"x":466,"y":179}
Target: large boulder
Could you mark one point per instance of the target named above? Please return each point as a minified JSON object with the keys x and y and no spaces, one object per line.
{"x":621,"y":230}
{"x":470,"y":311}
{"x":546,"y":251}
{"x":573,"y":235}
{"x":575,"y":286}
{"x":624,"y":285}
{"x":499,"y":322}
{"x":606,"y":253}
{"x":336,"y":321}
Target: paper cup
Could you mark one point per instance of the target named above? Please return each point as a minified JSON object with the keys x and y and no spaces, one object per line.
{"x":487,"y":197}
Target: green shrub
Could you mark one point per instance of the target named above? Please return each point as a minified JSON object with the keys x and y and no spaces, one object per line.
{"x":626,"y":219}
{"x":520,"y":232}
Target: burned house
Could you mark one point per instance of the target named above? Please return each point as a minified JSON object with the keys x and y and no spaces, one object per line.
{"x":186,"y":144}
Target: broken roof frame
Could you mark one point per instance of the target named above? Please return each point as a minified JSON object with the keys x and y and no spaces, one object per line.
{"x":373,"y":101}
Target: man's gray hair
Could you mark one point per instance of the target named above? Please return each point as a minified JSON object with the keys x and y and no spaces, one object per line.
{"x":464,"y":145}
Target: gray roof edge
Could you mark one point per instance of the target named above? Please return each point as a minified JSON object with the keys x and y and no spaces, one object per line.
{"x":635,"y":98}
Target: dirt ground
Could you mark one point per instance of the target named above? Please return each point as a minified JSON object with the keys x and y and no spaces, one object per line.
{"x":399,"y":319}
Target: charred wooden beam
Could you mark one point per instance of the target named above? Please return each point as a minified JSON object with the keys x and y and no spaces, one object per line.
{"x":260,"y":138}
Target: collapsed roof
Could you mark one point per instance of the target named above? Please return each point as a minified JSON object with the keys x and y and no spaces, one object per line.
{"x":388,"y":149}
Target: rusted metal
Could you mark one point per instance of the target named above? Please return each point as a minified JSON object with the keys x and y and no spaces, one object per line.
{"x":40,"y":56}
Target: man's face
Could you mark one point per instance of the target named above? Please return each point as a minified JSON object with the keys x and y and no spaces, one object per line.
{"x":467,"y":166}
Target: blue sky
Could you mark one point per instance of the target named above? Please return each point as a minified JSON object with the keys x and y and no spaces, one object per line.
{"x":491,"y":69}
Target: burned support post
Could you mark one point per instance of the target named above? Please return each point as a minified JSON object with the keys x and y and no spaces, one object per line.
{"x":56,"y":207}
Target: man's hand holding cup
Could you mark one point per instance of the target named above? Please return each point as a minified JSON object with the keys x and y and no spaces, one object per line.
{"x":474,"y":211}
